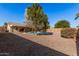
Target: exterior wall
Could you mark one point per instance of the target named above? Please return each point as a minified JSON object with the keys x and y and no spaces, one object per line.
{"x":9,"y":28}
{"x":2,"y":29}
{"x":15,"y":29}
{"x":53,"y":29}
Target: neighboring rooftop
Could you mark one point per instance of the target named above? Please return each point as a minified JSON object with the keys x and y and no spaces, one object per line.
{"x":16,"y":24}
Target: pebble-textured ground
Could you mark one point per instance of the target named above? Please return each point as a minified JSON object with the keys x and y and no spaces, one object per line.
{"x":26,"y":44}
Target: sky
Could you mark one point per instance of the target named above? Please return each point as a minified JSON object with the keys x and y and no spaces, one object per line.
{"x":15,"y":12}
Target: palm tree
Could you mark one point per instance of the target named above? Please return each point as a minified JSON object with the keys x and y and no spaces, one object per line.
{"x":77,"y":16}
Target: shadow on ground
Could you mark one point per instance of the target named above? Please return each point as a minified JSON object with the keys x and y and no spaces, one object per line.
{"x":13,"y":45}
{"x":77,"y":42}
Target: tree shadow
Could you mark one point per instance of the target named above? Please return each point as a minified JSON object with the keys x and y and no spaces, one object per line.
{"x":77,"y":42}
{"x":13,"y":45}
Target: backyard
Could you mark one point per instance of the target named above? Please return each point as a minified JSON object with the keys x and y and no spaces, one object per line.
{"x":29,"y":35}
{"x":40,"y":45}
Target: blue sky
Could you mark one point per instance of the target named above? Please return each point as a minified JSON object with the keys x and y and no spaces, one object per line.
{"x":14,"y":12}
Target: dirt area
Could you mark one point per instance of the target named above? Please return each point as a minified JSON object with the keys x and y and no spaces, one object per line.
{"x":33,"y":45}
{"x":55,"y":41}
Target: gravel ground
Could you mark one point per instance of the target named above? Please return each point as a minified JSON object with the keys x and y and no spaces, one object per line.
{"x":32,"y":45}
{"x":55,"y":42}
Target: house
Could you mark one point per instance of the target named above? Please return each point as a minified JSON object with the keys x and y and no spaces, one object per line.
{"x":2,"y":28}
{"x":14,"y":27}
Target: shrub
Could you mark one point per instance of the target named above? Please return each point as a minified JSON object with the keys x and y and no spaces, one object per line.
{"x":68,"y":32}
{"x":62,"y":24}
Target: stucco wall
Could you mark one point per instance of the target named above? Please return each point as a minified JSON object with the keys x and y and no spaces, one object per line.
{"x":9,"y":28}
{"x":2,"y":29}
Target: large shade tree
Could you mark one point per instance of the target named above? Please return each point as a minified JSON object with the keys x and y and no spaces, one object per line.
{"x":36,"y":18}
{"x":62,"y":24}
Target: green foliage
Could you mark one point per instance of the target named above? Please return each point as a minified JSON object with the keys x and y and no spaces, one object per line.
{"x":68,"y":32}
{"x":77,"y":16}
{"x":62,"y":24}
{"x":37,"y":17}
{"x":5,"y":24}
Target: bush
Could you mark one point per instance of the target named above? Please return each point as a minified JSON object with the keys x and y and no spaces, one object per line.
{"x":68,"y":32}
{"x":62,"y":24}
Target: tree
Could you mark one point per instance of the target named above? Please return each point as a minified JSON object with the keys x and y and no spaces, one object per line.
{"x":36,"y":18}
{"x":5,"y":24}
{"x":62,"y":24}
{"x":77,"y":16}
